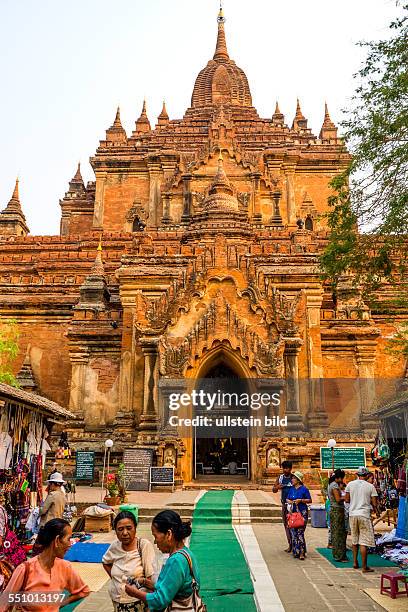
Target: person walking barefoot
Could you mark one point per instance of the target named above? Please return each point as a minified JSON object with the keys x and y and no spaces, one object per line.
{"x":361,"y":495}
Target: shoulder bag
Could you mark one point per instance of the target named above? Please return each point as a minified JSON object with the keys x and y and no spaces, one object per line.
{"x":23,"y":585}
{"x":138,"y":605}
{"x":295,"y":520}
{"x":193,"y":603}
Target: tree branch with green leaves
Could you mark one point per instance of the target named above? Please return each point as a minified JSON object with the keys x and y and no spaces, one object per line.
{"x":9,"y":335}
{"x":368,"y":210}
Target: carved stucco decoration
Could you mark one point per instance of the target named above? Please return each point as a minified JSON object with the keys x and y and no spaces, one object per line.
{"x":193,"y":160}
{"x":251,"y":158}
{"x":198,"y":199}
{"x":137,"y":210}
{"x":160,"y":312}
{"x":265,"y":356}
{"x":244,"y":198}
{"x":142,"y":244}
{"x":287,"y":310}
{"x":170,"y":181}
{"x":349,"y":300}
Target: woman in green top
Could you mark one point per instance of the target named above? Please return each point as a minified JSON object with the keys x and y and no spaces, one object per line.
{"x":175,"y":581}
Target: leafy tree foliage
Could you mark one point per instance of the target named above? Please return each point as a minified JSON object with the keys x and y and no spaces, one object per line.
{"x":9,"y":335}
{"x":368,"y":211}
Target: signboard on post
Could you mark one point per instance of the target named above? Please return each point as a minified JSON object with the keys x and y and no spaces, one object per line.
{"x":84,"y":465}
{"x":162,"y":476}
{"x":345,"y":458}
{"x":137,"y":462}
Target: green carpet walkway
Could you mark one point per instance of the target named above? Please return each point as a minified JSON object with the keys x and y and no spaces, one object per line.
{"x":372,"y":560}
{"x":226,"y":584}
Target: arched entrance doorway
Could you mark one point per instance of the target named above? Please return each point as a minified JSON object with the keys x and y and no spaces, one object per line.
{"x":223,"y":456}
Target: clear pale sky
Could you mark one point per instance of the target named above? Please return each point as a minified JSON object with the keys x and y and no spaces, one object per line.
{"x":66,"y":65}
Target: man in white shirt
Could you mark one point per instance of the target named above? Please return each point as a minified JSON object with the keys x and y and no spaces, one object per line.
{"x":361,"y":495}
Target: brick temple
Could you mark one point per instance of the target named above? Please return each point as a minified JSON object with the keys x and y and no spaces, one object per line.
{"x":195,"y":253}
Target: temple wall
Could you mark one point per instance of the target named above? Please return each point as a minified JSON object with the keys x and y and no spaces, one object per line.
{"x":121,"y":191}
{"x":48,"y":351}
{"x":80,"y":223}
{"x":316,"y":185}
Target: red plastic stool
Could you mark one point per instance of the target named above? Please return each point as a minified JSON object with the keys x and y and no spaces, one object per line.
{"x":393,"y":579}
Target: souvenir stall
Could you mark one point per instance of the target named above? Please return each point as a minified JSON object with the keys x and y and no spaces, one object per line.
{"x":390,"y":460}
{"x":26,"y":421}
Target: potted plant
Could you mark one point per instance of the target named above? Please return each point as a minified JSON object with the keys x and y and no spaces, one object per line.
{"x":113,"y":499}
{"x":113,"y":496}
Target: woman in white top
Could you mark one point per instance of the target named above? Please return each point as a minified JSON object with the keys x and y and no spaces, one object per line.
{"x":128,"y":556}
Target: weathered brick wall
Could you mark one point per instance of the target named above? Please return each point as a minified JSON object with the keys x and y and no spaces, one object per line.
{"x":80,"y":223}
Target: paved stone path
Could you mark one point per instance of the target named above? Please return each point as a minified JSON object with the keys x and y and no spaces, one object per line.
{"x":313,"y":585}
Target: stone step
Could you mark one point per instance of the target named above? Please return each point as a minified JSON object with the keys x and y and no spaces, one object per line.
{"x":221,"y":487}
{"x":252,"y":513}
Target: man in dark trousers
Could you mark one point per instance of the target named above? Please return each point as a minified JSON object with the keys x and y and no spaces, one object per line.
{"x":283,"y":484}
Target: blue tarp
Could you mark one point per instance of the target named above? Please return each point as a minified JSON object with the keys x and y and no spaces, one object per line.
{"x":86,"y":552}
{"x":402,"y":525}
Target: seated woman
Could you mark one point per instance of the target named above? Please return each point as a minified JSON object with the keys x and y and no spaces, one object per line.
{"x":298,"y":497}
{"x":175,"y":582}
{"x":128,"y":556}
{"x":47,"y":575}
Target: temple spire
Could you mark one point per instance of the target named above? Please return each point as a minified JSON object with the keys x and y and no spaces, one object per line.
{"x":97,"y":268}
{"x":299,"y":114}
{"x":25,"y":377}
{"x":77,"y":178}
{"x":94,"y":293}
{"x":300,"y":121}
{"x":14,"y":203}
{"x":117,"y":123}
{"x":328,"y":130}
{"x":143,"y":123}
{"x":221,"y":51}
{"x":221,"y":198}
{"x":220,"y":182}
{"x":163,"y":118}
{"x":12,"y":219}
{"x":15,"y":195}
{"x":278,"y":118}
{"x":76,"y":184}
{"x":116,"y":133}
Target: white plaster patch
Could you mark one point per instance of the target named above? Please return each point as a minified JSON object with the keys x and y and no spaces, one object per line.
{"x":266,"y":596}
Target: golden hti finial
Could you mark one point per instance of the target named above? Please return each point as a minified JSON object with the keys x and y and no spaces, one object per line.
{"x":100,"y":245}
{"x":221,"y":17}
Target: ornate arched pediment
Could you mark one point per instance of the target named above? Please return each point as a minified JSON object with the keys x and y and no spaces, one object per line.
{"x":206,"y":157}
{"x":214,"y":319}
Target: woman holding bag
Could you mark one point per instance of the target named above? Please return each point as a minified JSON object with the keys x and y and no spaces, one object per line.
{"x":298,"y":498}
{"x":179,"y":580}
{"x":128,"y":557}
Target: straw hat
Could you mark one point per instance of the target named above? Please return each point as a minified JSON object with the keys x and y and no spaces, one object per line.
{"x":298,"y":475}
